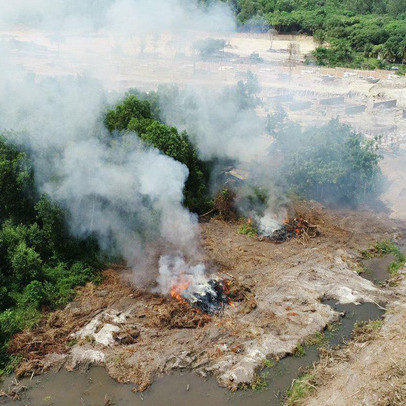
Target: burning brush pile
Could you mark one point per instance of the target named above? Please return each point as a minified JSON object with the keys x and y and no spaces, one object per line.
{"x":298,"y":228}
{"x":272,"y":229}
{"x":190,"y":285}
{"x":209,"y":297}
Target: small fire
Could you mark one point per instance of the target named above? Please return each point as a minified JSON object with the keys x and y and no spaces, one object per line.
{"x":208,"y":297}
{"x":192,"y":284}
{"x":178,"y":289}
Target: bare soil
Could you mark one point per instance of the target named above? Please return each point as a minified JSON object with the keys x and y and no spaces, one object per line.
{"x":276,"y":289}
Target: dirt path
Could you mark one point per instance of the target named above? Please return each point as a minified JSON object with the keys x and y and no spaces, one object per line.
{"x":276,"y":289}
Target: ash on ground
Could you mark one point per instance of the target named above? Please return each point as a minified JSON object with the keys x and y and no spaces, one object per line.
{"x":211,"y":297}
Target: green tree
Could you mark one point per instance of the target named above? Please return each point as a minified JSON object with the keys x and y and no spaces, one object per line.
{"x":131,"y":107}
{"x":166,"y":139}
{"x":330,"y":163}
{"x":40,"y":263}
{"x":16,"y":184}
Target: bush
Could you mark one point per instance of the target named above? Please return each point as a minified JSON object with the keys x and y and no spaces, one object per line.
{"x":224,"y":203}
{"x":209,"y":47}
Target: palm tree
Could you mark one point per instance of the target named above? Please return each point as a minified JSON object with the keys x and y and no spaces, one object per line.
{"x":388,"y":54}
{"x":402,"y":52}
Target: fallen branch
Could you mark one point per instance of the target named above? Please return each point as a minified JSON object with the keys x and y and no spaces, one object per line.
{"x":206,"y":214}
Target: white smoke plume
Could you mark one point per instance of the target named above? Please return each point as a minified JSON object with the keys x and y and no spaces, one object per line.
{"x":120,"y":18}
{"x":124,"y":193}
{"x":225,"y":127}
{"x":221,"y":129}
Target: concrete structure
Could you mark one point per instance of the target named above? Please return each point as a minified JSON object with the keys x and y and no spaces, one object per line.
{"x":388,"y":104}
{"x":301,"y":105}
{"x":355,"y":109}
{"x":332,"y":101}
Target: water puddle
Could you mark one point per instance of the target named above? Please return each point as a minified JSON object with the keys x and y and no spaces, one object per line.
{"x":96,"y":388}
{"x":376,"y":269}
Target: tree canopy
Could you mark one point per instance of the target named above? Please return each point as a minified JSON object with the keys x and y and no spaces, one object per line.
{"x":134,"y":115}
{"x":362,"y":33}
{"x":40,"y":263}
{"x":331,"y":163}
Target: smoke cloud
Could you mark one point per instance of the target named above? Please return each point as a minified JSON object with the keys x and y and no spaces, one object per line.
{"x":117,"y":17}
{"x":129,"y":196}
{"x":226,"y":128}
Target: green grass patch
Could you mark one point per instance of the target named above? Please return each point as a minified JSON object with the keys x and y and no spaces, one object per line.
{"x":382,"y":248}
{"x":317,"y":338}
{"x":267,"y":363}
{"x":248,"y":229}
{"x":370,"y":325}
{"x":259,"y":383}
{"x":365,"y":331}
{"x":299,"y":351}
{"x":13,"y":362}
{"x":300,"y":389}
{"x":396,"y":266}
{"x":360,"y":270}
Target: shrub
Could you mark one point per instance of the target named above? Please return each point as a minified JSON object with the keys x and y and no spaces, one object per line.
{"x":224,"y":203}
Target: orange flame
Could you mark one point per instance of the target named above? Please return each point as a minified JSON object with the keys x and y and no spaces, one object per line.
{"x":178,"y":289}
{"x":226,"y":287}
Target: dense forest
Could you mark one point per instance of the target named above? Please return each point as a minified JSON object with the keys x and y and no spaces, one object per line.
{"x":40,"y":263}
{"x":360,"y":33}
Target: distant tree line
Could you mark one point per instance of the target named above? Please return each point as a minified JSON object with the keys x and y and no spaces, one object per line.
{"x":361,"y":33}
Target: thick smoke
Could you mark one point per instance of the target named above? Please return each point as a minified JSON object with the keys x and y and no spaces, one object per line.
{"x":129,"y":196}
{"x":120,"y":18}
{"x":220,"y":128}
{"x":124,"y":193}
{"x":226,"y":128}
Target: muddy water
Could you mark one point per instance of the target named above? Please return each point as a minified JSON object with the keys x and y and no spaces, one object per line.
{"x":95,"y":387}
{"x":376,"y":269}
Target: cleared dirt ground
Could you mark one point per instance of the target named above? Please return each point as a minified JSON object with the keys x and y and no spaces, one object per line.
{"x":276,"y":290}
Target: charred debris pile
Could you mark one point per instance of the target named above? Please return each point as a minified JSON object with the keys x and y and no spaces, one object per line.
{"x":298,"y":228}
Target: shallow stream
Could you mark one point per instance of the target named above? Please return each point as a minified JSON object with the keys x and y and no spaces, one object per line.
{"x":96,"y":388}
